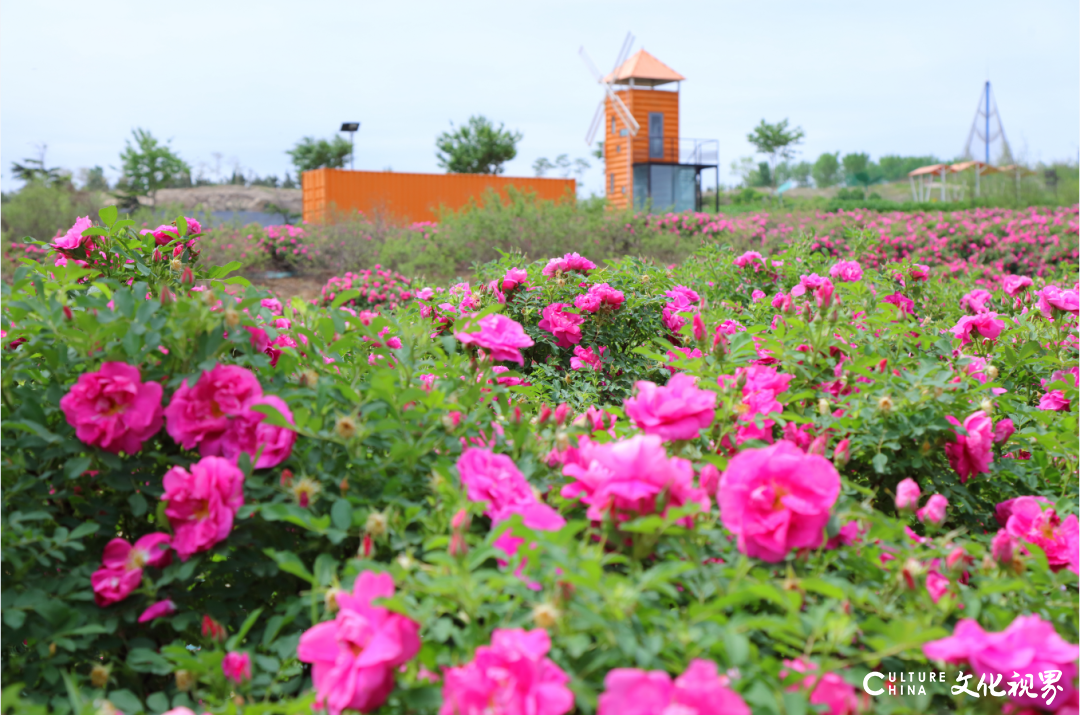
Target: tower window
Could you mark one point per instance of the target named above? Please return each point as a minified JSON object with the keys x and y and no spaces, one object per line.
{"x":612,"y":190}
{"x":613,"y":125}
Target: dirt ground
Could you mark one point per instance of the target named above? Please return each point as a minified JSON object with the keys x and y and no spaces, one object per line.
{"x":306,"y":287}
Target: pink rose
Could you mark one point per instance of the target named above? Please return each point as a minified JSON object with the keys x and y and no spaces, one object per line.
{"x":709,"y":479}
{"x":569,"y":262}
{"x":513,"y":278}
{"x":122,"y":566}
{"x":272,"y":304}
{"x":250,"y":433}
{"x":937,"y":585}
{"x":1028,"y":645}
{"x":503,"y":337}
{"x":678,"y":410}
{"x":1028,"y":520}
{"x":201,"y":414}
{"x":564,"y":326}
{"x":1003,"y":430}
{"x":74,"y":238}
{"x":512,"y":675}
{"x":1052,"y":298}
{"x":193,"y":226}
{"x":354,"y":657}
{"x":202,"y":503}
{"x":1014,"y":285}
{"x":985,"y":324}
{"x":905,"y":304}
{"x":971,"y":454}
{"x":749,"y":258}
{"x":700,"y":690}
{"x":165,"y":234}
{"x":113,"y":409}
{"x":150,"y":550}
{"x":495,"y":479}
{"x":846,"y":271}
{"x":114,"y":585}
{"x":829,"y":689}
{"x":907,"y":495}
{"x":757,"y":296}
{"x":1054,"y":401}
{"x":585,"y":357}
{"x":777,"y":499}
{"x":1003,"y":546}
{"x":627,"y":477}
{"x":599,"y":296}
{"x":158,"y":610}
{"x":975,"y":301}
{"x":934,"y":511}
{"x":237,"y":667}
{"x":919,"y":272}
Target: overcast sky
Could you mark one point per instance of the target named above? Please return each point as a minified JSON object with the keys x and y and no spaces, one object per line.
{"x":246,"y":80}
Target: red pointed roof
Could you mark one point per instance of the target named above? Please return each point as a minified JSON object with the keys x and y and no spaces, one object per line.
{"x":645,"y":70}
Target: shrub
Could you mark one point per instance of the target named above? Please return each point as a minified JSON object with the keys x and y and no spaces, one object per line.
{"x":385,"y":491}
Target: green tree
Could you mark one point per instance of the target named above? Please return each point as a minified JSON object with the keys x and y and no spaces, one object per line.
{"x":763,"y":176}
{"x":801,"y":173}
{"x":476,"y":148}
{"x":896,"y":168}
{"x":775,"y":141}
{"x":93,"y":179}
{"x":860,"y":171}
{"x":35,"y":171}
{"x":826,"y":171}
{"x":148,"y":165}
{"x":310,"y":154}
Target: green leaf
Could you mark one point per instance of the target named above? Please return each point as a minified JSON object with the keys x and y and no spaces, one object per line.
{"x":737,"y":646}
{"x":76,"y":466}
{"x":108,"y":215}
{"x":341,"y":514}
{"x":144,"y":660}
{"x":14,"y":617}
{"x":343,"y":296}
{"x":126,"y":701}
{"x":138,"y":504}
{"x":238,"y":638}
{"x":289,"y":562}
{"x":879,"y":461}
{"x":158,"y":703}
{"x":222,"y":271}
{"x":273,"y":416}
{"x":181,"y":225}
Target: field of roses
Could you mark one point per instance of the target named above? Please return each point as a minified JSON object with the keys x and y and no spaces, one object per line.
{"x":738,"y":484}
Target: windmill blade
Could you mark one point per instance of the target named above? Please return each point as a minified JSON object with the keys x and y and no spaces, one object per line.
{"x":589,"y":64}
{"x":624,"y":52}
{"x":597,"y":120}
{"x":621,"y":109}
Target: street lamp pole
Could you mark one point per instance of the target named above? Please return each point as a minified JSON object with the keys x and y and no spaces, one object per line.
{"x":351,"y":128}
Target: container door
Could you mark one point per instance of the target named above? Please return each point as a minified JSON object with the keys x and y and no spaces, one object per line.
{"x":685,"y":188}
{"x":641,"y":186}
{"x":656,"y":135}
{"x":663,"y":187}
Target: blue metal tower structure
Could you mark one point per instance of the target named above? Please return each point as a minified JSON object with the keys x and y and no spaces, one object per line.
{"x":981,"y":131}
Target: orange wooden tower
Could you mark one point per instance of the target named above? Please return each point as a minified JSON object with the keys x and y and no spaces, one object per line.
{"x":647,"y":163}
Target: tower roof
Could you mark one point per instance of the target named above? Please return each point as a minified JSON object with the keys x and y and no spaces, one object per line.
{"x":645,"y":70}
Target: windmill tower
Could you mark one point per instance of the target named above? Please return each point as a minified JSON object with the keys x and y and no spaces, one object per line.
{"x":655,"y":167}
{"x":986,"y":129}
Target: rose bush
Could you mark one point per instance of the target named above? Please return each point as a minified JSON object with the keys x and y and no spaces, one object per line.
{"x":427,"y":509}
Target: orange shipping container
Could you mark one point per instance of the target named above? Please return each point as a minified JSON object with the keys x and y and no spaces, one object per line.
{"x":412,"y":197}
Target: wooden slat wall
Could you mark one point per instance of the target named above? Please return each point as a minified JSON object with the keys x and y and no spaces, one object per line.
{"x":617,"y":148}
{"x":412,"y":197}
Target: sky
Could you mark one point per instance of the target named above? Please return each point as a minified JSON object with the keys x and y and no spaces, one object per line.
{"x":239,"y":83}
